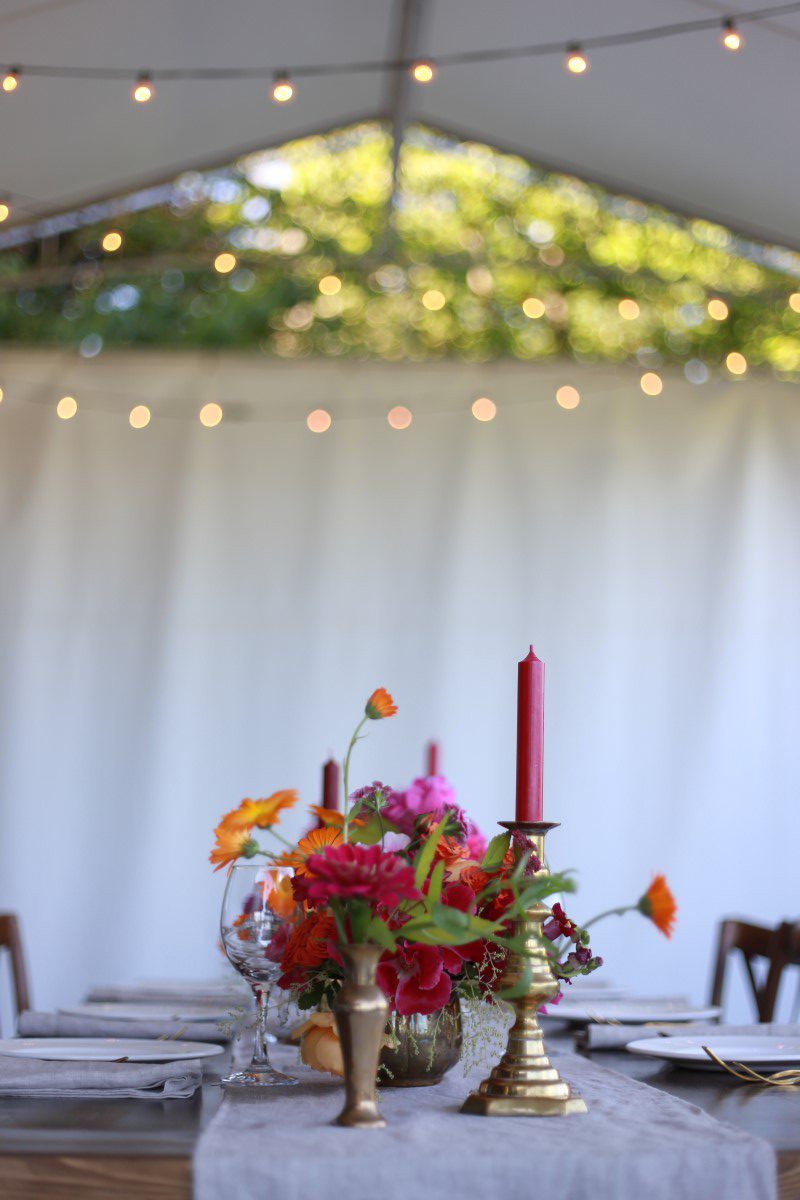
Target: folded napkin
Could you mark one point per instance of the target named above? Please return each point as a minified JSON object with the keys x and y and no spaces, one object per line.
{"x":189,"y":993}
{"x":40,"y":1024}
{"x":617,"y":1037}
{"x":36,"y":1078}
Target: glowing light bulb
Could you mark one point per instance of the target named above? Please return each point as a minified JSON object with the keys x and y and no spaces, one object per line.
{"x":794,"y":302}
{"x":576,"y":61}
{"x":2,"y":393}
{"x":484,"y":409}
{"x":282,"y":89}
{"x":111,"y":241}
{"x":434,"y":300}
{"x":736,"y":363}
{"x":139,"y":416}
{"x":717,"y":309}
{"x":67,"y":407}
{"x":210,"y":415}
{"x":143,"y":90}
{"x":319,"y":420}
{"x":11,"y":80}
{"x":730,"y":37}
{"x":399,"y":417}
{"x":533,"y":308}
{"x":568,"y":397}
{"x":329,"y":285}
{"x":225,"y":263}
{"x":651,"y":384}
{"x":423,"y":72}
{"x":5,"y":212}
{"x":628,"y":309}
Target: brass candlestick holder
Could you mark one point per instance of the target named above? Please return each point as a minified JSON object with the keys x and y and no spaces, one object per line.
{"x":525,"y":1083}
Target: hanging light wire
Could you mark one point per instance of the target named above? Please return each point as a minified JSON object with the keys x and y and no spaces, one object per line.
{"x":371,"y":66}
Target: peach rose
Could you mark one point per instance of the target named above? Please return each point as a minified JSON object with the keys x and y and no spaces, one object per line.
{"x":320,"y":1048}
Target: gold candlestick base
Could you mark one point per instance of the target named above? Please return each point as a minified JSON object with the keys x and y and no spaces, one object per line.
{"x":525,"y":1083}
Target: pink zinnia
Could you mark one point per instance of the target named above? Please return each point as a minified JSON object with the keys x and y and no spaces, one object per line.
{"x":347,"y":872}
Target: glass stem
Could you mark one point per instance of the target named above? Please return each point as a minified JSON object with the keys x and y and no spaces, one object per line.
{"x":261,"y":991}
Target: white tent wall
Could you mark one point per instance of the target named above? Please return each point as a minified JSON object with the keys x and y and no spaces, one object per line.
{"x":189,"y":616}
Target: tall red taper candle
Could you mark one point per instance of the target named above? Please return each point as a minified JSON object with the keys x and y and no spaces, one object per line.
{"x":432,"y":758}
{"x":330,"y":785}
{"x":530,"y":738}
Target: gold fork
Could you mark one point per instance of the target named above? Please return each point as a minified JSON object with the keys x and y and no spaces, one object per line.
{"x":786,"y":1079}
{"x":172,"y":1037}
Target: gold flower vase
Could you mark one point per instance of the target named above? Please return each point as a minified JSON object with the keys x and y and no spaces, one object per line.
{"x":525,"y":1083}
{"x":420,"y":1049}
{"x":360,"y":1010}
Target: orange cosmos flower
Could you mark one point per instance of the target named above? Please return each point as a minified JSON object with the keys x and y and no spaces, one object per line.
{"x":314,"y":842}
{"x":259,"y":812}
{"x":380,"y":705}
{"x":279,"y":895}
{"x":231,"y":844}
{"x":658,"y":903}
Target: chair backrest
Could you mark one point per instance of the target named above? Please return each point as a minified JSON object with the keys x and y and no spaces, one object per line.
{"x":778,"y":947}
{"x":11,"y":940}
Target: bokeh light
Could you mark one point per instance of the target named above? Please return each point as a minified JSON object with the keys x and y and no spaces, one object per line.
{"x":628,"y":309}
{"x":736,"y":363}
{"x":576,"y":61}
{"x":225,"y":263}
{"x":423,"y":72}
{"x":329,"y":285}
{"x":111,"y":241}
{"x":568,"y":396}
{"x":399,"y":417}
{"x":319,"y":420}
{"x":731,"y":38}
{"x":717,"y":309}
{"x":139,"y":416}
{"x":67,"y":407}
{"x":210,"y":415}
{"x":10,"y":81}
{"x":794,"y":302}
{"x":282,"y":89}
{"x":484,"y":409}
{"x":143,"y":91}
{"x":651,"y":384}
{"x":434,"y":300}
{"x":533,"y":307}
{"x":5,"y":212}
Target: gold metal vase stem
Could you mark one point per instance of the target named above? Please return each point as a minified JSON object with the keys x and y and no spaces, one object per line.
{"x":360,"y":1011}
{"x":525,"y":1083}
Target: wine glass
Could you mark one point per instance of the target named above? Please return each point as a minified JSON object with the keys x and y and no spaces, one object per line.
{"x":256,"y":912}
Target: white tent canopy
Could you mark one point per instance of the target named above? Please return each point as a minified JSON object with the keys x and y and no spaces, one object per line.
{"x":678,"y":120}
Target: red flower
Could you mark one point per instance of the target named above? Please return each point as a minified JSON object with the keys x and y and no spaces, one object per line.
{"x":353,"y":871}
{"x":414,"y":979}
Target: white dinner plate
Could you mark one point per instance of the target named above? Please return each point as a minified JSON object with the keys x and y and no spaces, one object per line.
{"x":760,"y":1053}
{"x":629,"y":1012}
{"x":587,"y":993}
{"x":106,"y":1049}
{"x":117,"y":1010}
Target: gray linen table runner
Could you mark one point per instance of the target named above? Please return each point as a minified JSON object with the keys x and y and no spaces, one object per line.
{"x":39,"y":1024}
{"x":37,"y":1079}
{"x":635,"y":1143}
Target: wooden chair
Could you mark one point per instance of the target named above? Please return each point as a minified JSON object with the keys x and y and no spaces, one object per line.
{"x":11,"y":940}
{"x":778,"y":948}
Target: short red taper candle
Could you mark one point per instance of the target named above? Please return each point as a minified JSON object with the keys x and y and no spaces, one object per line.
{"x":530,"y":738}
{"x":432,"y":759}
{"x":330,"y":785}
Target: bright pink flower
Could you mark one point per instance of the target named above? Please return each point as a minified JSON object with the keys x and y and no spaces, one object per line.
{"x":429,"y":795}
{"x":415,"y":979}
{"x":347,"y":872}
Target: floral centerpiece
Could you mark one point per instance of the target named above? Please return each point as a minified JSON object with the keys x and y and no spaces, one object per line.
{"x":410,"y":874}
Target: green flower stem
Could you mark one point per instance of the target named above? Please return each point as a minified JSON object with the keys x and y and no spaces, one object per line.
{"x":346,"y":776}
{"x":271,"y":829}
{"x":611,"y":912}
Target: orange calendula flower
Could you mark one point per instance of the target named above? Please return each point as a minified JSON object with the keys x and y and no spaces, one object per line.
{"x":279,"y":895}
{"x":314,"y":842}
{"x":333,"y":818}
{"x":231,"y":844}
{"x":658,"y":903}
{"x":380,"y":705}
{"x":259,"y":812}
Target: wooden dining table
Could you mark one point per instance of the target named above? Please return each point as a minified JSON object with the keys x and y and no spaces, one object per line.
{"x":142,"y":1150}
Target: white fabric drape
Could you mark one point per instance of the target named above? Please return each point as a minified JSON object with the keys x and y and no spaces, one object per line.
{"x":192,"y":615}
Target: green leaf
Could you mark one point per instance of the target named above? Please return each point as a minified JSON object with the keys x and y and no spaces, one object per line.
{"x":380,"y":933}
{"x":368,"y":834}
{"x":435,"y":888}
{"x":359,"y":914}
{"x":496,"y":852}
{"x":425,"y":857}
